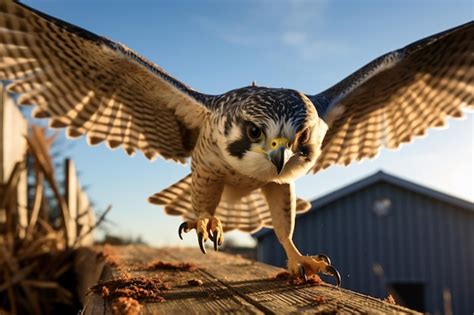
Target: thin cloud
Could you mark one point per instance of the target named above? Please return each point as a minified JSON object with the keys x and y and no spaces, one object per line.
{"x":294,"y":38}
{"x":294,"y":27}
{"x":309,"y":48}
{"x":232,"y":33}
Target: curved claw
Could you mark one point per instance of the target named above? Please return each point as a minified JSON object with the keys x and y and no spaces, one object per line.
{"x":201,"y":243}
{"x":183,"y":226}
{"x":333,"y":272}
{"x":303,"y":274}
{"x":215,"y":244}
{"x":323,"y":257}
{"x":214,"y":231}
{"x":211,"y":237}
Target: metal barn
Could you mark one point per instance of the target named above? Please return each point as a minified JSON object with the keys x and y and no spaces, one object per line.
{"x":388,"y":235}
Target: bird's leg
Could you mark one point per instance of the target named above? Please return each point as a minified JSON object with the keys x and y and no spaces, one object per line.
{"x":206,"y":194}
{"x":282,"y":203}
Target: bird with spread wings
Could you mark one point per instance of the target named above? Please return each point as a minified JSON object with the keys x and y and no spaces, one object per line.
{"x":248,"y":145}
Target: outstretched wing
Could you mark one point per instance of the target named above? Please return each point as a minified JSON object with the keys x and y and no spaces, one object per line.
{"x":397,"y":96}
{"x":95,"y":86}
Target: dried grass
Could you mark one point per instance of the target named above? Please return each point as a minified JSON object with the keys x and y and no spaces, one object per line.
{"x":36,"y":263}
{"x":32,"y":272}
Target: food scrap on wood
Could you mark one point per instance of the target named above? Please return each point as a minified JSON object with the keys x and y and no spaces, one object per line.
{"x":140,"y":288}
{"x":107,"y":254}
{"x":312,"y":280}
{"x":126,"y":306}
{"x":319,"y":299}
{"x":390,"y":299}
{"x":171,"y":266}
{"x":195,"y":282}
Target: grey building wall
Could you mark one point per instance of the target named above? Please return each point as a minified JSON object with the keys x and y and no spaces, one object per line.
{"x":420,"y":240}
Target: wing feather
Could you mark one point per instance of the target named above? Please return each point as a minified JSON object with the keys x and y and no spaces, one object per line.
{"x":249,"y":214}
{"x":397,"y":97}
{"x":97,"y":87}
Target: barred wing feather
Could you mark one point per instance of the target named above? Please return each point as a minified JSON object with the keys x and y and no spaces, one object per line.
{"x":249,"y":214}
{"x":398,"y":97}
{"x":95,"y":86}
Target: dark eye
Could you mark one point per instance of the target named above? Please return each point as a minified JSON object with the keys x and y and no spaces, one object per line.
{"x":304,"y":136}
{"x":254,"y":132}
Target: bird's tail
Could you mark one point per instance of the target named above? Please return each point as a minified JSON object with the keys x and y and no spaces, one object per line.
{"x":249,"y":214}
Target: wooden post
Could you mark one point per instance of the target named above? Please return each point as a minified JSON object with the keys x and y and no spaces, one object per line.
{"x":13,"y":146}
{"x":85,"y":219}
{"x":72,"y":187}
{"x":82,"y":217}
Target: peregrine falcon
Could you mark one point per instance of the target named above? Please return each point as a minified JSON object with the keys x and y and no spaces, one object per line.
{"x":248,"y":145}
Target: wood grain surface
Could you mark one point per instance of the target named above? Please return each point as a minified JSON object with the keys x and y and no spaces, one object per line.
{"x":230,"y":284}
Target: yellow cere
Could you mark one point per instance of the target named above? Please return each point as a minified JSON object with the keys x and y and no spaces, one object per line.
{"x":274,"y":144}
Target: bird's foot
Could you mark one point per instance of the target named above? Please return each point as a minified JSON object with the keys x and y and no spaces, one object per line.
{"x":303,"y":266}
{"x":207,"y":227}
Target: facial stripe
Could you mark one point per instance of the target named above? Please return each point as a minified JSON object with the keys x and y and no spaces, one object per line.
{"x":238,"y":147}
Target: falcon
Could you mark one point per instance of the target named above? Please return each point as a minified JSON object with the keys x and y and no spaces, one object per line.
{"x":248,"y":145}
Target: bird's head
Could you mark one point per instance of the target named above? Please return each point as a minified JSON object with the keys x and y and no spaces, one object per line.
{"x":271,"y":134}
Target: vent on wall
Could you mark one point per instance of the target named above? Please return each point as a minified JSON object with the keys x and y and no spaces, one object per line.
{"x":382,"y":206}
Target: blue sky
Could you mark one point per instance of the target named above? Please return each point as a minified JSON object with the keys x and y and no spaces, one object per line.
{"x":215,"y":46}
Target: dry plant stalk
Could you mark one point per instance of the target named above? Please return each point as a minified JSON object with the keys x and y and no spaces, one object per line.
{"x":36,"y":271}
{"x":39,"y":146}
{"x":31,"y":271}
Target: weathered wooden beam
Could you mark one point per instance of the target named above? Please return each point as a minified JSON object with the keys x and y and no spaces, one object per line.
{"x":13,"y":129}
{"x":230,"y":284}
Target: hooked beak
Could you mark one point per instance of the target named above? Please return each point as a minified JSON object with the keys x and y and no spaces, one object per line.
{"x":280,"y":155}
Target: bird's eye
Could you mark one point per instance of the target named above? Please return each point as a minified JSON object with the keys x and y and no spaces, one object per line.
{"x":254,"y":132}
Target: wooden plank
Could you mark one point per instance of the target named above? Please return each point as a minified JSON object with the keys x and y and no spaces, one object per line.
{"x":13,"y":146}
{"x":234,"y":284}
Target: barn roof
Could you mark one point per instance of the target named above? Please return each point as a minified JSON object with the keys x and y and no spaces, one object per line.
{"x":381,"y":176}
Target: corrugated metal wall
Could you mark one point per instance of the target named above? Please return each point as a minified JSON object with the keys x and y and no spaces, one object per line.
{"x":420,"y":240}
